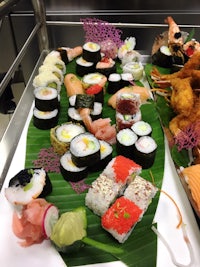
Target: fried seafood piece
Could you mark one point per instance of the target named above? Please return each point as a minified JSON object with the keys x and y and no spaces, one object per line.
{"x":180,"y":122}
{"x":182,"y":96}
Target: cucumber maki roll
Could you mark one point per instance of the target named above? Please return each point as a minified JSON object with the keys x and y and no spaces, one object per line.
{"x":141,"y":128}
{"x":85,"y":150}
{"x":70,"y":171}
{"x":27,"y":185}
{"x":46,"y":98}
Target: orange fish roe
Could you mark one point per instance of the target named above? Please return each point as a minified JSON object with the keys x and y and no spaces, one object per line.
{"x":123,"y":167}
{"x":121,"y":216}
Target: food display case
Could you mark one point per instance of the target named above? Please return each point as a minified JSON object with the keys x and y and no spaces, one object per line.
{"x":58,"y":24}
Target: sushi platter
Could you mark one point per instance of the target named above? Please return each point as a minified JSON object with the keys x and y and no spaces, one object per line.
{"x":143,"y":245}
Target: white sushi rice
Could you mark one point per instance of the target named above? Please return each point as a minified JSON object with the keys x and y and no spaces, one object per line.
{"x":74,"y":114}
{"x":45,"y":114}
{"x":66,"y":132}
{"x":105,"y":149}
{"x":129,"y":118}
{"x":102,"y":194}
{"x":127,"y":76}
{"x":18,"y":195}
{"x":45,"y":93}
{"x":141,"y":192}
{"x":52,"y":68}
{"x":146,"y":144}
{"x":97,"y":109}
{"x":91,"y":46}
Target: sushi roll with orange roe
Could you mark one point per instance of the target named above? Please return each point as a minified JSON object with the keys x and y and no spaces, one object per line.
{"x":120,"y":219}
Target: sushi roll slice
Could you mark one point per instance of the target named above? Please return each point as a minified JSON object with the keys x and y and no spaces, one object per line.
{"x":120,"y":219}
{"x":46,"y":98}
{"x":141,"y":128}
{"x":162,"y":57}
{"x":122,"y":170}
{"x":102,"y":193}
{"x":97,"y":91}
{"x":84,"y":67}
{"x":128,"y":103}
{"x":84,"y":101}
{"x":74,"y":116}
{"x":27,"y":185}
{"x":45,"y":120}
{"x":93,"y":78}
{"x":53,"y":69}
{"x":127,"y":121}
{"x":114,"y":83}
{"x":141,"y":192}
{"x":85,"y":150}
{"x":145,"y":151}
{"x":56,"y":61}
{"x":106,"y":151}
{"x":91,"y":52}
{"x":126,"y":79}
{"x":106,"y":66}
{"x":70,"y":171}
{"x":47,"y":79}
{"x":61,"y":136}
{"x":135,"y":68}
{"x":125,"y":144}
{"x":96,"y":112}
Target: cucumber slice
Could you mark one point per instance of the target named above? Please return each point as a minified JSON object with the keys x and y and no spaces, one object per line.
{"x":49,"y":219}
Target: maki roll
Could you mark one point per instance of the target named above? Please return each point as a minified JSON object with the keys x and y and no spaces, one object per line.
{"x":106,"y":151}
{"x":162,"y":57}
{"x":70,"y":171}
{"x":97,"y":91}
{"x":27,"y":185}
{"x":84,"y":67}
{"x":93,"y":78}
{"x":84,"y":101}
{"x":61,"y":136}
{"x":127,"y":121}
{"x":125,"y":144}
{"x":46,"y":98}
{"x":106,"y":66}
{"x":85,"y":150}
{"x":141,"y":192}
{"x":128,"y":103}
{"x":135,"y":68}
{"x":122,"y":170}
{"x":114,"y":83}
{"x":141,"y":128}
{"x":96,"y":112}
{"x":91,"y":52}
{"x":102,"y":193}
{"x":53,"y":69}
{"x":47,"y":79}
{"x":45,"y":120}
{"x":126,"y":79}
{"x":120,"y":219}
{"x":74,"y":116}
{"x":56,"y":61}
{"x":145,"y":151}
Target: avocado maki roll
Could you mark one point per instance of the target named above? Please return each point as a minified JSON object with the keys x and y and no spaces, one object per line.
{"x":85,"y":150}
{"x":91,"y":52}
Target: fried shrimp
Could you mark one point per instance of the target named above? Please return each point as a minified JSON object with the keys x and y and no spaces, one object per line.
{"x":174,"y":33}
{"x":182,"y":96}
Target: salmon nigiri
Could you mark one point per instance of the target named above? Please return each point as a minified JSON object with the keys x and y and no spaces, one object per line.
{"x":73,"y":85}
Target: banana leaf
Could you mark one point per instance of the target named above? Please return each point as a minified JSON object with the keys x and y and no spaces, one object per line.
{"x":141,"y":247}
